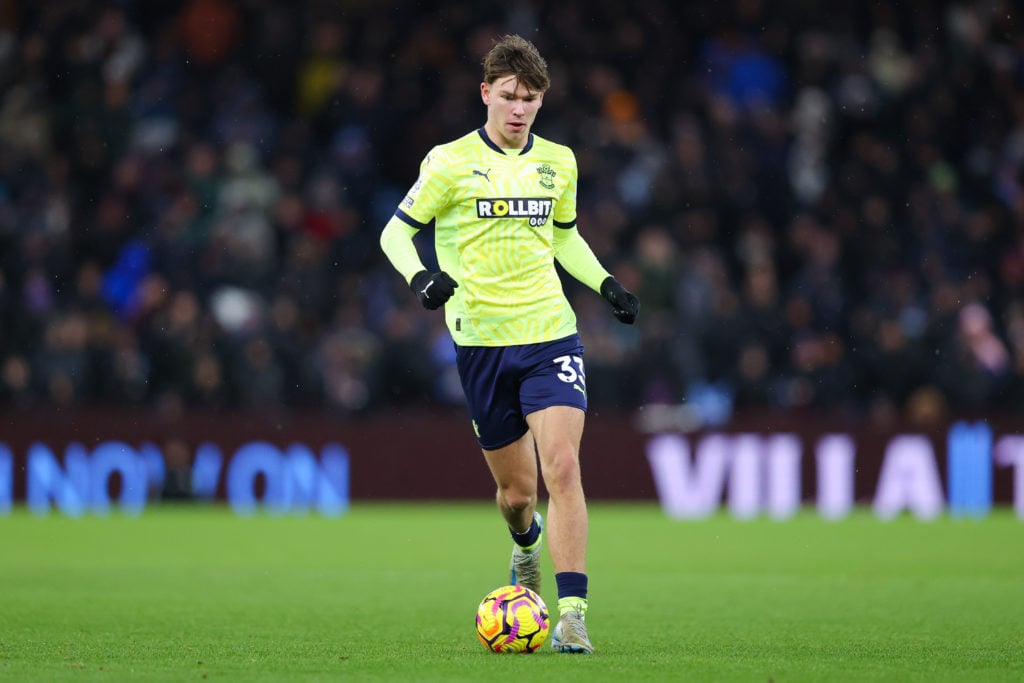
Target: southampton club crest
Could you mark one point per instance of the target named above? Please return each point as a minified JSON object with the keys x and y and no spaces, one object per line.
{"x":547,"y":176}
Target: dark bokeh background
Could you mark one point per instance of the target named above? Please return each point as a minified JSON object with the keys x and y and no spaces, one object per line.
{"x":820,"y":204}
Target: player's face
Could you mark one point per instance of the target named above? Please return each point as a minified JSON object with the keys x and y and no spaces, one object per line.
{"x":511,"y":109}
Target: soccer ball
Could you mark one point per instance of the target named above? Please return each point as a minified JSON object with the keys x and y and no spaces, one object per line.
{"x":512,"y":619}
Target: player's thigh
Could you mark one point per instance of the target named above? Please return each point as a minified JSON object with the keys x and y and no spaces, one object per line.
{"x":557,"y":431}
{"x":514,"y":467}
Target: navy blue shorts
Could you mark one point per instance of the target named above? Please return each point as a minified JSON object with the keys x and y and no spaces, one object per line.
{"x":504,"y":384}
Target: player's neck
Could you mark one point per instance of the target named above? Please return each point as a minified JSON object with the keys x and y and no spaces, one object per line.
{"x":495,"y":142}
{"x":504,"y":143}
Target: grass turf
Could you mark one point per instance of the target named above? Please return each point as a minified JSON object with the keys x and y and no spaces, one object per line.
{"x":195,"y":593}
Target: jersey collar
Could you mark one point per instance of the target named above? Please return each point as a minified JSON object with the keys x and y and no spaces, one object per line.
{"x":490,"y":143}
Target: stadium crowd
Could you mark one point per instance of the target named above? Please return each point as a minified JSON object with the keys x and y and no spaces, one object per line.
{"x":820,"y":205}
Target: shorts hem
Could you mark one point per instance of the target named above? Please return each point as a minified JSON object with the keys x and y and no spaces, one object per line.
{"x":552,"y":405}
{"x":501,"y":444}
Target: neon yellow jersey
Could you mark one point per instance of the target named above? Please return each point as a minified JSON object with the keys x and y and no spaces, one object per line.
{"x":495,"y":212}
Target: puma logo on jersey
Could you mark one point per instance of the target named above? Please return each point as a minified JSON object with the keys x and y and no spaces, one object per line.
{"x":485,"y":174}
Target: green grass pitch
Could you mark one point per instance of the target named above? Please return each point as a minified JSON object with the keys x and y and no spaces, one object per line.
{"x":195,"y":593}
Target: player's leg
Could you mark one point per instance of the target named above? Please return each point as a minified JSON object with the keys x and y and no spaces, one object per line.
{"x":490,"y":378}
{"x":514,"y":468}
{"x":554,"y":398}
{"x":558,"y":431}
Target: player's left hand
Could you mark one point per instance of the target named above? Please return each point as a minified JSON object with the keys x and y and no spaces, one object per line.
{"x":625,"y":306}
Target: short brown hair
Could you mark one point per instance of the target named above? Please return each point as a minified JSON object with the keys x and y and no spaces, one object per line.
{"x":514,"y":55}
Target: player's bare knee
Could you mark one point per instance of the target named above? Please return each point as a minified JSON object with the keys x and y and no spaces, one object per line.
{"x":516,"y":500}
{"x":562,"y":473}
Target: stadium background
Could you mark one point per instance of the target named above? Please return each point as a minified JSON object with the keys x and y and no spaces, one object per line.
{"x":820,"y":206}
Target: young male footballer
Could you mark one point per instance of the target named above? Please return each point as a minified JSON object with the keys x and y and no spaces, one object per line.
{"x":503,"y":205}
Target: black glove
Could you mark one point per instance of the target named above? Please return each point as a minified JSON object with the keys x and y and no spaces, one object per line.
{"x":433,"y":289}
{"x":625,"y":306}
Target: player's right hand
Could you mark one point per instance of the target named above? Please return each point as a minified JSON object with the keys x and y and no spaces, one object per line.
{"x":433,"y":289}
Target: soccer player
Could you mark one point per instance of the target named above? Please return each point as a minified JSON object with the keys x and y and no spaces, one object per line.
{"x":503,"y":206}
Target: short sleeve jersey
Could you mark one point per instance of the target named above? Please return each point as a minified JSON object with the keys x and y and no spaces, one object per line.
{"x":495,"y":212}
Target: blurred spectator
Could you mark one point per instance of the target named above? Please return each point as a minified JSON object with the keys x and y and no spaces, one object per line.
{"x":820,"y":205}
{"x":209,"y":30}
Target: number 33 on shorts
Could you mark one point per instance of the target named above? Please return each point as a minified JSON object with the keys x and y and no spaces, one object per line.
{"x":572,"y":372}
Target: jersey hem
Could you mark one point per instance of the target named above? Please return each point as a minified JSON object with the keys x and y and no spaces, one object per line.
{"x":547,"y":340}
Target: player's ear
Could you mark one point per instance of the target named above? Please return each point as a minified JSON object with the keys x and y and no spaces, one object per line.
{"x":485,"y":92}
